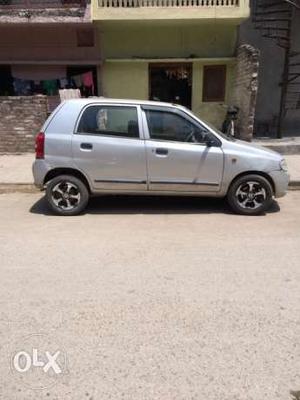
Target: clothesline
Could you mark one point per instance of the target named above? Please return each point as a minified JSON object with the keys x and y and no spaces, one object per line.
{"x":51,"y":86}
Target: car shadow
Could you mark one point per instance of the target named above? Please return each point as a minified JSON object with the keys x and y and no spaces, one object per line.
{"x":110,"y":204}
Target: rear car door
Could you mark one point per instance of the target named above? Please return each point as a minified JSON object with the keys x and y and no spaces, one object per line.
{"x":178,"y":156}
{"x":108,"y":147}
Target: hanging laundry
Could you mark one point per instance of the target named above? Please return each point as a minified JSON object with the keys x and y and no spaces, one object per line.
{"x":78,"y":80}
{"x":66,"y":94}
{"x":88,"y":80}
{"x":22,"y":87}
{"x":37,"y":87}
{"x":63,"y":83}
{"x":71,"y":83}
{"x":50,"y":87}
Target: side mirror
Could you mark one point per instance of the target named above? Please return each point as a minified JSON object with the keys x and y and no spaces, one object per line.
{"x":208,"y":140}
{"x":211,"y":141}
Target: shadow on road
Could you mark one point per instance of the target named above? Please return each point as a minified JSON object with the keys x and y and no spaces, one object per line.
{"x":150,"y":205}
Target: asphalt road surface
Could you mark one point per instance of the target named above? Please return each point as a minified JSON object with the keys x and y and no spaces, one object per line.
{"x":149,"y":298}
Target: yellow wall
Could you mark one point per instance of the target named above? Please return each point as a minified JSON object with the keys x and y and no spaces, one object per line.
{"x":129,"y":79}
{"x":125,"y":80}
{"x":164,"y":40}
{"x":129,"y":47}
{"x":213,"y":112}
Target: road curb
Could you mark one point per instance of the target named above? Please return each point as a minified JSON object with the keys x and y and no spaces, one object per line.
{"x":283,"y":146}
{"x":17,"y":188}
{"x":290,"y":150}
{"x":30,"y":188}
{"x":294,"y":185}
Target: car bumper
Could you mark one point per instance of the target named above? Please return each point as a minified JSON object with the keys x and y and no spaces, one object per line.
{"x":281,"y":181}
{"x":39,"y":170}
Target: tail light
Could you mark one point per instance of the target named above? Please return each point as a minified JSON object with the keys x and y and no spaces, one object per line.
{"x":40,"y":145}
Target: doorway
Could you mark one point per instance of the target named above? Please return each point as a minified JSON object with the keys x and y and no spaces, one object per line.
{"x":171,"y":82}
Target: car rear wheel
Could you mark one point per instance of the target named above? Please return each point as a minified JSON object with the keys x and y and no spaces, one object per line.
{"x":67,"y":195}
{"x":250,"y":195}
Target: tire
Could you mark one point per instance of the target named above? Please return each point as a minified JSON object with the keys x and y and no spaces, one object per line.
{"x":250,"y":195}
{"x":67,"y":195}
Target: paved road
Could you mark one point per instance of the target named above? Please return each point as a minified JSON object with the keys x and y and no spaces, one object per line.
{"x":150,"y":299}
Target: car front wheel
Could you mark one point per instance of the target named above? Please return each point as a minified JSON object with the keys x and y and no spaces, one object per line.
{"x":250,"y":195}
{"x":67,"y":195}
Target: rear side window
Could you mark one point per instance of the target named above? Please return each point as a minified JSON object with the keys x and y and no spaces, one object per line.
{"x":109,"y":121}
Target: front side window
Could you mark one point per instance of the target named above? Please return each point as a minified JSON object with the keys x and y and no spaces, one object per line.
{"x":110,"y":121}
{"x":173,"y":127}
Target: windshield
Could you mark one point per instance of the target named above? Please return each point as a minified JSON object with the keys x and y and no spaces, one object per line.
{"x":222,"y":134}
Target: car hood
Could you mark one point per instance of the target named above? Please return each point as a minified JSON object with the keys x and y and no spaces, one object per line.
{"x":255,"y":149}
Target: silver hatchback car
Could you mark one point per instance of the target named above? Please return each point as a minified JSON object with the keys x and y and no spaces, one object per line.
{"x":95,"y":146}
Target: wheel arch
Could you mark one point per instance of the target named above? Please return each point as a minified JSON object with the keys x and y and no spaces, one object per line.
{"x":53,"y":173}
{"x":259,"y":173}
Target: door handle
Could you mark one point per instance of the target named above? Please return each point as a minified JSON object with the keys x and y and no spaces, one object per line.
{"x":161,"y":151}
{"x":86,"y":146}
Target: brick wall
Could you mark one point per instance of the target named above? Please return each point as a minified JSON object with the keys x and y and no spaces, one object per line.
{"x":245,"y":89}
{"x":21,"y":118}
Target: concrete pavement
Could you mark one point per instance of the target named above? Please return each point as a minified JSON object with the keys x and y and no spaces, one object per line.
{"x":153,"y":299}
{"x":293,"y":162}
{"x":286,"y":146}
{"x":16,"y":173}
{"x":16,"y":169}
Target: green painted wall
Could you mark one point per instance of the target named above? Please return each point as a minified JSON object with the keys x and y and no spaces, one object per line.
{"x":129,"y":79}
{"x":126,"y":80}
{"x":213,"y":112}
{"x":155,"y":40}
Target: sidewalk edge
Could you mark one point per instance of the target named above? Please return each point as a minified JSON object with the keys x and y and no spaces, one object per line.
{"x":18,"y":188}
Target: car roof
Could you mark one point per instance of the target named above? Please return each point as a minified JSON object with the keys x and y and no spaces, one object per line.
{"x":91,"y":100}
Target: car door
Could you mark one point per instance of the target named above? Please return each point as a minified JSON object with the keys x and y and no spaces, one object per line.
{"x":178,"y":156}
{"x":109,"y":148}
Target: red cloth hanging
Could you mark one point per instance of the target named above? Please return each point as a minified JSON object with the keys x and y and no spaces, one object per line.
{"x":88,"y":81}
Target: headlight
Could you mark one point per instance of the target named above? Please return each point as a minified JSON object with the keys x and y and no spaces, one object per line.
{"x":283,"y":165}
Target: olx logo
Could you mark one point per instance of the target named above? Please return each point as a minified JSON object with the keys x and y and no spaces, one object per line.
{"x":23,"y":361}
{"x":38,"y":361}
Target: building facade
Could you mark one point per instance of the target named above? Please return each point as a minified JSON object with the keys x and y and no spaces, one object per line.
{"x":274,"y":29}
{"x":181,"y":51}
{"x":46,"y":46}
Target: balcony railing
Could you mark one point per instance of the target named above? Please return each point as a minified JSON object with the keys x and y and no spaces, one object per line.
{"x":234,"y":11}
{"x":29,"y":4}
{"x":167,"y":3}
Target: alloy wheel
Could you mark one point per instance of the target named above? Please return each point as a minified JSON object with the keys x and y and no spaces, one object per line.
{"x":251,"y":195}
{"x":66,"y":195}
